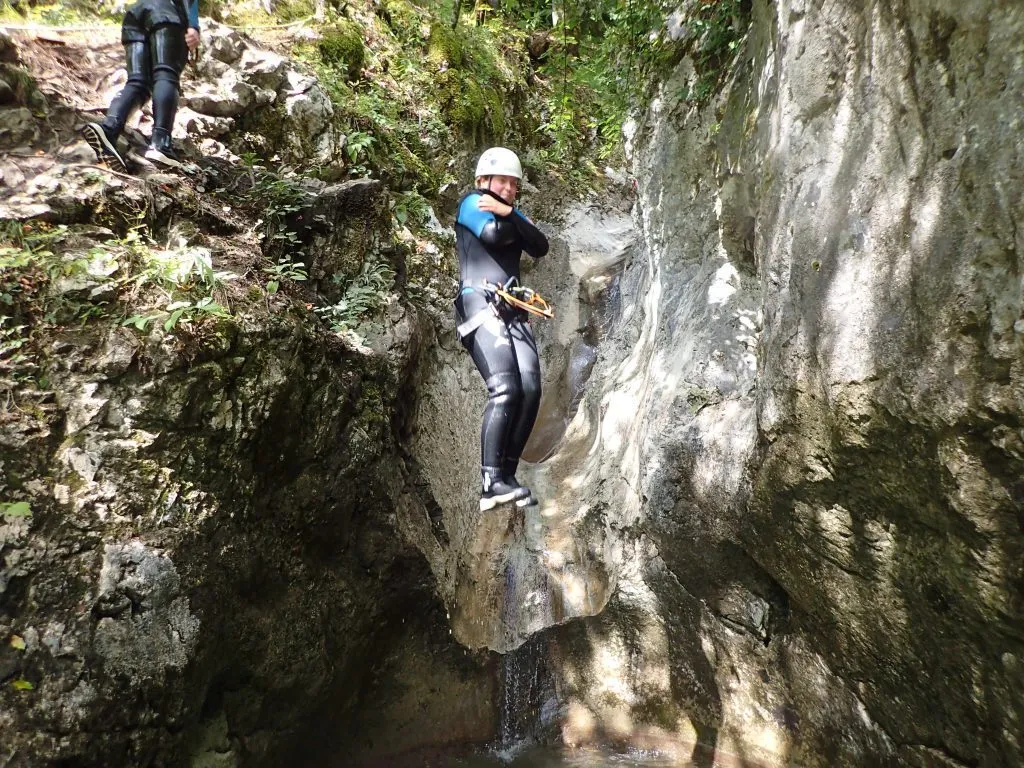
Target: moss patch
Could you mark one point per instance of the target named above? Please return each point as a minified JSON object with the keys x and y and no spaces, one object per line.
{"x":342,"y":48}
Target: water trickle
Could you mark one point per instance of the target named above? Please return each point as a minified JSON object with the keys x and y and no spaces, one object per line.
{"x":523,"y":684}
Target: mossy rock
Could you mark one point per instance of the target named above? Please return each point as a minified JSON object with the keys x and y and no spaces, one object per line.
{"x":342,"y":47}
{"x":462,"y":100}
{"x":291,"y":10}
{"x":445,"y":50}
{"x":495,"y":101}
{"x":404,"y":169}
{"x":401,"y":17}
{"x":470,"y":106}
{"x":263,"y":130}
{"x":20,"y":88}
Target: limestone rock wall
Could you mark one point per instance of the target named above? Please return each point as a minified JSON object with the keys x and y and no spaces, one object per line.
{"x":802,"y":436}
{"x":887,"y":487}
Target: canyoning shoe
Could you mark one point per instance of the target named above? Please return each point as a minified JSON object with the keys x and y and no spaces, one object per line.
{"x":161,"y":152}
{"x":529,"y":501}
{"x":496,"y":490}
{"x":165,"y":156}
{"x":502,"y":493}
{"x":104,"y":146}
{"x":526,"y":501}
{"x":509,"y":473}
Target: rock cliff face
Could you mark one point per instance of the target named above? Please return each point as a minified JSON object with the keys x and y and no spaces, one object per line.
{"x":782,"y":447}
{"x":211,"y":545}
{"x":809,"y":411}
{"x":211,"y":566}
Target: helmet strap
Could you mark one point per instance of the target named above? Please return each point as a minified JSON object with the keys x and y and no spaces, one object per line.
{"x":493,"y":194}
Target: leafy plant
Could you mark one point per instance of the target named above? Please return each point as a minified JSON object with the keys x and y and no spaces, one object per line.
{"x":15,"y":509}
{"x":358,"y":143}
{"x":366,"y":293}
{"x":284,"y":270}
{"x":278,"y":196}
{"x":410,"y":207}
{"x":180,"y":312}
{"x":12,"y":339}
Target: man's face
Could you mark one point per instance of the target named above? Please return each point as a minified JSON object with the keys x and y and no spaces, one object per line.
{"x":504,"y":187}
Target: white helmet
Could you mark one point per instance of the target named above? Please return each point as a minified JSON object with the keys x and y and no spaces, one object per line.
{"x":498,"y":161}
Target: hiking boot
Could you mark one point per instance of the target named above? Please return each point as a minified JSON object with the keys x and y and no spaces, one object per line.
{"x":160,"y":150}
{"x":497,"y":491}
{"x":104,"y":146}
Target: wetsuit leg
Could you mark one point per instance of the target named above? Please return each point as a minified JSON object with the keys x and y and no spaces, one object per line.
{"x":494,"y":355}
{"x":135,"y":91}
{"x":529,"y":376}
{"x":169,"y":55}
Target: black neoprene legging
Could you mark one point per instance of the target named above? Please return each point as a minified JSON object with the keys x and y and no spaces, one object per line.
{"x":154,"y":64}
{"x":505,"y":353}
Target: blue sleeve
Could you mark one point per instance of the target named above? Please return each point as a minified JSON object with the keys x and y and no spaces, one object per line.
{"x":471,"y":217}
{"x":491,"y":230}
{"x":193,"y":14}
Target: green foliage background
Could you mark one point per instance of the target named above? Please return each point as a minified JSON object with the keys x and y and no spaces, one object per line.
{"x":421,"y":86}
{"x":419,"y":90}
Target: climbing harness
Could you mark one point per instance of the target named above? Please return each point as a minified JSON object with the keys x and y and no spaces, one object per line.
{"x":513,"y":295}
{"x":521,"y":297}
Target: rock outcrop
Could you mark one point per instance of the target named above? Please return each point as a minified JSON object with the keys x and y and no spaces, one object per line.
{"x":805,"y":426}
{"x":200,"y":559}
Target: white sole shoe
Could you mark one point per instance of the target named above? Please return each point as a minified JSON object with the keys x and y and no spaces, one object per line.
{"x":490,"y":502}
{"x":154,"y":155}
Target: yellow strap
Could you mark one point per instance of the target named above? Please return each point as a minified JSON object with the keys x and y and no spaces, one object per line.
{"x":536,"y":305}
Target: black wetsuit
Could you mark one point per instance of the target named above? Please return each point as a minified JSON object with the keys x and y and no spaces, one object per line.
{"x":490,"y":248}
{"x":153,"y":35}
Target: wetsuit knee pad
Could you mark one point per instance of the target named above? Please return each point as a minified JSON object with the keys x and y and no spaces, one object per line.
{"x":137,"y":64}
{"x":166,"y":75}
{"x":169,"y":52}
{"x":505,"y":389}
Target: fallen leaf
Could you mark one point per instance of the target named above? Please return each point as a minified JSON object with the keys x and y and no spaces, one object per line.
{"x":18,"y":642}
{"x":22,"y":685}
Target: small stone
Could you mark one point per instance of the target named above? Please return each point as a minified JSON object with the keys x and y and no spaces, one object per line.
{"x":17,"y":126}
{"x":77,"y":152}
{"x":8,"y":48}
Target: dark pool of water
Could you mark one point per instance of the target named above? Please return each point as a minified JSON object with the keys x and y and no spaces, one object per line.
{"x":546,"y":757}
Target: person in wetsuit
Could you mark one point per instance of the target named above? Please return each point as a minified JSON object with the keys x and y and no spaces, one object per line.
{"x":157,"y":36}
{"x":490,"y":236}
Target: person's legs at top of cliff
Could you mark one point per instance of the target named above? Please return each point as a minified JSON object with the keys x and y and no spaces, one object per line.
{"x":157,"y":36}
